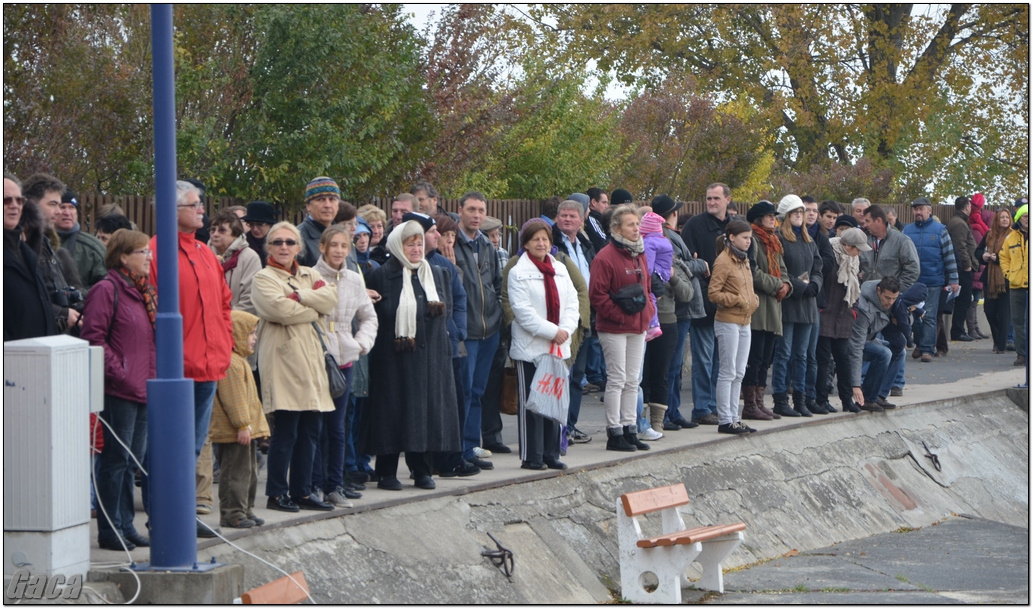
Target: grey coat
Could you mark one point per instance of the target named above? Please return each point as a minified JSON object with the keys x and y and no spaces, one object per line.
{"x":896,"y":257}
{"x":696,"y":269}
{"x":801,"y":259}
{"x":871,"y":319}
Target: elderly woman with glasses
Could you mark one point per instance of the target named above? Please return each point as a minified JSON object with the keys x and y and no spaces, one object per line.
{"x":291,"y":300}
{"x":119,"y":316}
{"x":412,"y":386}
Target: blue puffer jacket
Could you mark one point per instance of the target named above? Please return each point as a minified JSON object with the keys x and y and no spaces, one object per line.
{"x":935,"y":262}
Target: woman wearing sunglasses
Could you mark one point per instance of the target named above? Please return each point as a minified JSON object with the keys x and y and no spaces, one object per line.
{"x":288,"y":299}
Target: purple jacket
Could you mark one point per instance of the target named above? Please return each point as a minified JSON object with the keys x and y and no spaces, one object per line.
{"x":659,"y":254}
{"x":129,"y":348}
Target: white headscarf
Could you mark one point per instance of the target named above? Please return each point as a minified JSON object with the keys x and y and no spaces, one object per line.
{"x":849,"y":269}
{"x":405,"y":316}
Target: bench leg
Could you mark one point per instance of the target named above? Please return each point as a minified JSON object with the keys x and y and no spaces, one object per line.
{"x":667,"y":563}
{"x":713,"y":555}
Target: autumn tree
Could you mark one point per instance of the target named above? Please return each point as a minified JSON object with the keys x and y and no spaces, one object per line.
{"x":840,"y":81}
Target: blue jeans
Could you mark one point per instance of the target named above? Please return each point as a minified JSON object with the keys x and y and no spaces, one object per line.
{"x":577,"y":377}
{"x":925,"y":331}
{"x":704,"y":372}
{"x":674,"y":373}
{"x":790,"y":364}
{"x":354,"y":461}
{"x":329,"y":463}
{"x":882,"y":368}
{"x":480,"y":354}
{"x":595,"y":367}
{"x":811,"y":381}
{"x":204,"y":396}
{"x":115,"y":472}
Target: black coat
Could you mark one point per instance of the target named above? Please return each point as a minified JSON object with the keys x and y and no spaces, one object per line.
{"x":802,"y":259}
{"x":412,"y":394}
{"x":700,"y":235}
{"x":27,"y":310}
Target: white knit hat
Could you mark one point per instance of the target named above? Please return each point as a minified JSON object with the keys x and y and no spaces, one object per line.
{"x":789,"y":203}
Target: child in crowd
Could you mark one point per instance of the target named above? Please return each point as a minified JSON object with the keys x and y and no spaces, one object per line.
{"x":731,"y":289}
{"x":659,"y":261}
{"x":237,"y":421}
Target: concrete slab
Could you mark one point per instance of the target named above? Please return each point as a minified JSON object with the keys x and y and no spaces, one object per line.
{"x":217,"y":586}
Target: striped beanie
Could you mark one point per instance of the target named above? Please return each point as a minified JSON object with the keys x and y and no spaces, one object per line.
{"x":321,"y":186}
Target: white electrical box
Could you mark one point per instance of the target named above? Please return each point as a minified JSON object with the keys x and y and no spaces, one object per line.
{"x":50,"y":387}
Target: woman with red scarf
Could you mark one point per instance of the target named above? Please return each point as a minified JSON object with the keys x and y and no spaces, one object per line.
{"x":545,"y":312}
{"x":119,"y":316}
{"x":239,"y":261}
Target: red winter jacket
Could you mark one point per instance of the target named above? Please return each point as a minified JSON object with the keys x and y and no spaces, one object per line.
{"x":613,"y":268}
{"x":204,"y":303}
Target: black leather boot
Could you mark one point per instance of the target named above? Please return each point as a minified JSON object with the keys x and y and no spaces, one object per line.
{"x":782,"y":406}
{"x":615,"y":440}
{"x":815,"y":407}
{"x":631,"y":436}
{"x":799,"y":405}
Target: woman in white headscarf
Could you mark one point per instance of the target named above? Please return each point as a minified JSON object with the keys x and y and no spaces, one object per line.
{"x":412,"y":391}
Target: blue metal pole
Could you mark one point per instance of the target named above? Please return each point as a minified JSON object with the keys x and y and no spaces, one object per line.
{"x":170,"y":397}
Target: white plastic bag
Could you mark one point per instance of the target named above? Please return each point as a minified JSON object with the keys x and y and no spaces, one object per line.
{"x":549,"y":394}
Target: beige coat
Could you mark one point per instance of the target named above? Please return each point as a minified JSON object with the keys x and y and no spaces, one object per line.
{"x":290,"y":357}
{"x":240,"y":277}
{"x":352,"y":303}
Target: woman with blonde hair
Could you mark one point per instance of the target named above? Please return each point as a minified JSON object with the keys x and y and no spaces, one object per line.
{"x":291,"y":300}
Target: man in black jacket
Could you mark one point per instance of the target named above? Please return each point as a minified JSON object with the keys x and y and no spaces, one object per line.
{"x":700,"y":236}
{"x":598,"y":202}
{"x":27,"y":309}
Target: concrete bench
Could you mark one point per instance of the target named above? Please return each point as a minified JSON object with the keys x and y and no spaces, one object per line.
{"x":669,"y":555}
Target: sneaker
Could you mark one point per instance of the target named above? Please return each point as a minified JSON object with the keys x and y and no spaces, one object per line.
{"x":204,"y":509}
{"x":896,"y":392}
{"x":576,"y":436}
{"x":884,"y":404}
{"x":481,"y":453}
{"x":732,"y":428}
{"x":337,"y":499}
{"x":466,"y":469}
{"x":258,"y":521}
{"x":650,"y":434}
{"x":746,"y":427}
{"x":282,"y":503}
{"x":707,"y":419}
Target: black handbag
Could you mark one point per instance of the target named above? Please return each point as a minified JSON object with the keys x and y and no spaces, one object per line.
{"x":338,"y":384}
{"x":632,"y":297}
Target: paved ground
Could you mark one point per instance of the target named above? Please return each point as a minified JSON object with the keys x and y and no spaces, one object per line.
{"x":960,"y":560}
{"x":969,"y":369}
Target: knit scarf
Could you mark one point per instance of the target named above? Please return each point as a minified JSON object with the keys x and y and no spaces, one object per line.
{"x":150,"y":297}
{"x":405,"y":315}
{"x":552,"y":295}
{"x":994,"y":284}
{"x":635,"y":247}
{"x":849,"y":268}
{"x":734,"y":251}
{"x":773,"y":247}
{"x":231,"y":263}
{"x":276,"y":265}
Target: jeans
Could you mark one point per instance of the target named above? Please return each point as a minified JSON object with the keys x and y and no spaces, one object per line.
{"x":925,"y":331}
{"x":204,"y":396}
{"x":293,"y":448}
{"x":734,"y":342}
{"x":704,"y":375}
{"x":354,"y":461}
{"x":595,"y":368}
{"x":790,"y":364}
{"x":577,"y":376}
{"x":480,"y":354}
{"x":624,"y":355}
{"x":491,"y":399}
{"x":328,"y":468}
{"x":811,"y":378}
{"x":1018,"y":301}
{"x":882,"y":365}
{"x":115,"y":484}
{"x":674,"y":373}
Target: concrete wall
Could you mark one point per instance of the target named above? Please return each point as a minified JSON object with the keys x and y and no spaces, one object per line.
{"x":803,"y":487}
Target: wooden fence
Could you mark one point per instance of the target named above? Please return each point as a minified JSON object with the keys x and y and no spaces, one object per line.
{"x":512,"y":212}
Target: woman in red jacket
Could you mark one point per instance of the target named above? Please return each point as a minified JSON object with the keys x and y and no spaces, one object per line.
{"x":119,"y":316}
{"x":619,"y":289}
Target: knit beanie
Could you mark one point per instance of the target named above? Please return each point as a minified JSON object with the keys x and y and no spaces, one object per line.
{"x":788,"y":204}
{"x":321,"y":186}
{"x":619,"y":197}
{"x":978,"y":201}
{"x":651,"y":223}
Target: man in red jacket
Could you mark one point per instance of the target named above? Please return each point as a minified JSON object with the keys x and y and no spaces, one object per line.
{"x":204,"y":303}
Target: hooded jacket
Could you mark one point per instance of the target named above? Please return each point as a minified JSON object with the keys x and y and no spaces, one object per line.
{"x":1014,"y":258}
{"x":236,"y":406}
{"x":871,"y":319}
{"x":353,"y":305}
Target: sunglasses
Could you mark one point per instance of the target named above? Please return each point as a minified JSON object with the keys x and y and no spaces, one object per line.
{"x":287,"y":242}
{"x":10,"y":200}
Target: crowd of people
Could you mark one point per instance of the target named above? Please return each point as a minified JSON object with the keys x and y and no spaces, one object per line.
{"x":421,"y":312}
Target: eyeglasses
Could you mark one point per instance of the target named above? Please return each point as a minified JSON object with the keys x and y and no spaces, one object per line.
{"x":197,"y":205}
{"x":10,"y":200}
{"x":280,"y":242}
{"x":146,"y":253}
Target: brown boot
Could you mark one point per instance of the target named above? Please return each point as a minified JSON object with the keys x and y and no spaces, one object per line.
{"x":656,"y":416}
{"x":751,"y":410}
{"x":760,"y":403}
{"x":972,"y":323}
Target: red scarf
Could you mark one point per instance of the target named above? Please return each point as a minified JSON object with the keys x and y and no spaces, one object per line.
{"x":773,"y":246}
{"x":276,"y":265}
{"x":150,"y":297}
{"x":552,"y":295}
{"x":231,"y":263}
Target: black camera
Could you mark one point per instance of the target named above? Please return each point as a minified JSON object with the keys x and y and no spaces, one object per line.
{"x":68,"y":298}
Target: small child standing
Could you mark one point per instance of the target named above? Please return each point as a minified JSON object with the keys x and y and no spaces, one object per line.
{"x":731,"y":289}
{"x":238,"y":420}
{"x":659,"y":261}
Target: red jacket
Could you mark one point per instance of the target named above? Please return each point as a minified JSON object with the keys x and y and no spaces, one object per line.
{"x":204,"y":303}
{"x":613,"y":268}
